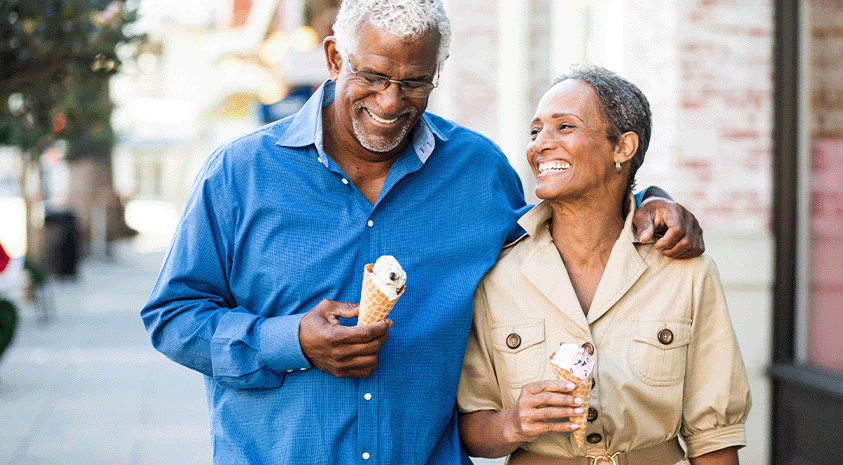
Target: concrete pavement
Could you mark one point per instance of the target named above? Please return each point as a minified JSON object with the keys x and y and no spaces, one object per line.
{"x":88,"y":388}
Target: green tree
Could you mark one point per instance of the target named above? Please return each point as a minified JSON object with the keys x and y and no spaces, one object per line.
{"x":56,"y":57}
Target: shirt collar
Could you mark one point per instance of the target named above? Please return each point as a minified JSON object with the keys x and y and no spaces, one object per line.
{"x":306,"y":127}
{"x":536,"y":221}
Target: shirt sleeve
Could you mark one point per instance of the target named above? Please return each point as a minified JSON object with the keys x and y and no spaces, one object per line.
{"x":191,"y":315}
{"x":717,"y":399}
{"x":479,"y":388}
{"x":650,"y":193}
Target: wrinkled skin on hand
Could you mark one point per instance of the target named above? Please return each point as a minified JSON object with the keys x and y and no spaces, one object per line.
{"x":337,"y":349}
{"x":681,"y":234}
{"x":539,"y":402}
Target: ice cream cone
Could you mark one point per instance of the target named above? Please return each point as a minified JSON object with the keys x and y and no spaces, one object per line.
{"x":374,"y":304}
{"x":583,"y":391}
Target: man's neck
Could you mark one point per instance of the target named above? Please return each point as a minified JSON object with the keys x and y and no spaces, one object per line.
{"x":367,"y":170}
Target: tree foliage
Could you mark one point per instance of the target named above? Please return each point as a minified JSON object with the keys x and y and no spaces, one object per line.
{"x":55,"y":60}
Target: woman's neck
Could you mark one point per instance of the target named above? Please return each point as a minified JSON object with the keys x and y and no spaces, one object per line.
{"x":584,"y":235}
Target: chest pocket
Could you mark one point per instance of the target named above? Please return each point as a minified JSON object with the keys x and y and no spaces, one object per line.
{"x":660,"y":350}
{"x":519,"y":348}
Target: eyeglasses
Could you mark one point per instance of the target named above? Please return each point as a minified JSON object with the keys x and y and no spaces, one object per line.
{"x":378,"y":82}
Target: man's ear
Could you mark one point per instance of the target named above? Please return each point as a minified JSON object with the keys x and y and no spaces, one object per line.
{"x":626,"y":147}
{"x":332,"y":57}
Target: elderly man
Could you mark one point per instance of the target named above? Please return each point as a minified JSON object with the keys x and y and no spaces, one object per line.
{"x":255,"y":291}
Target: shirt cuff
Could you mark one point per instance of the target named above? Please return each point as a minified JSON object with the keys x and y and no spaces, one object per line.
{"x":280,"y":347}
{"x":716,"y":439}
{"x":651,"y":192}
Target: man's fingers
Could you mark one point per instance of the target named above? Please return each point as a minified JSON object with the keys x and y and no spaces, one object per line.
{"x":644,"y":227}
{"x":360,"y":366}
{"x":349,"y":350}
{"x":338,"y":349}
{"x":345,"y":310}
{"x":671,"y":238}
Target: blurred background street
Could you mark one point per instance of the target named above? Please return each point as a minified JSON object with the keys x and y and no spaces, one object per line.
{"x":86,"y":387}
{"x":108,"y":108}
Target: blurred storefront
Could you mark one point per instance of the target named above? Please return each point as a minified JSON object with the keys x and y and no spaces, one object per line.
{"x":808,"y":354}
{"x":195,"y":85}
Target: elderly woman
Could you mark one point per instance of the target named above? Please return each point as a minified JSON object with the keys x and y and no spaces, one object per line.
{"x":666,"y":359}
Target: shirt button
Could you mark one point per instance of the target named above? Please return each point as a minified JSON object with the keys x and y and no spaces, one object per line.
{"x":594,"y":438}
{"x":366,"y":456}
{"x":592,"y":414}
{"x":367,"y":396}
{"x":513,"y":341}
{"x":345,"y":181}
{"x":588,"y":348}
{"x":371,"y":223}
{"x":665,"y":336}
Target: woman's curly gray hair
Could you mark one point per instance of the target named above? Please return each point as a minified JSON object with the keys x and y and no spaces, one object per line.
{"x":407,"y":19}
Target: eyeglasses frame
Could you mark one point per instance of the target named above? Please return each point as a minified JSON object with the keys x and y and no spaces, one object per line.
{"x":401,"y":86}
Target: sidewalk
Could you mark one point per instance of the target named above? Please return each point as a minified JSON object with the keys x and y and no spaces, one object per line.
{"x":88,"y":388}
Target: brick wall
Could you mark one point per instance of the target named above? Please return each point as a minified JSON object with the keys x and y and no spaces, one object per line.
{"x":473,"y":63}
{"x":827,"y":68}
{"x":716,"y":98}
{"x":705,"y":65}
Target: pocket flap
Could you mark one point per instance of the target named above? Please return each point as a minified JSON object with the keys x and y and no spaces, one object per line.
{"x":650,"y":332}
{"x":529,"y":332}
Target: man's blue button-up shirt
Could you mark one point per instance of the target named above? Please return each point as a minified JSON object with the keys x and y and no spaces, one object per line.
{"x":272,"y":227}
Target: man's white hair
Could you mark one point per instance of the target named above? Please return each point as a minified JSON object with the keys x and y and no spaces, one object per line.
{"x":407,"y":19}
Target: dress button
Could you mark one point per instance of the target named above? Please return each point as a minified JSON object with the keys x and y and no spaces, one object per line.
{"x":594,"y":438}
{"x":366,"y":456}
{"x":513,"y":341}
{"x":367,"y":396}
{"x":592,"y":414}
{"x":593,"y":382}
{"x":345,"y":181}
{"x":665,"y":336}
{"x":371,"y":223}
{"x":588,"y":348}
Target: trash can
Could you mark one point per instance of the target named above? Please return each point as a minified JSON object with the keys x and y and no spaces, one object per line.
{"x":8,"y":322}
{"x":60,"y":244}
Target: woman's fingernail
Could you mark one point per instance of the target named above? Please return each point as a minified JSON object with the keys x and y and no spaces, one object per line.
{"x":574,"y":426}
{"x":571,"y":386}
{"x":579,"y":410}
{"x":578,"y":400}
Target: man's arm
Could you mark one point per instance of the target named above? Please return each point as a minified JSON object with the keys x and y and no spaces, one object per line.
{"x":193,"y":318}
{"x":657,"y":214}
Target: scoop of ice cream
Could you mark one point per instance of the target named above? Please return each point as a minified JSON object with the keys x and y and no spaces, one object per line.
{"x":574,"y":358}
{"x":388,"y":275}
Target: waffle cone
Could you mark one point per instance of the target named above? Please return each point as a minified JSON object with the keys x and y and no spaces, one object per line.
{"x":374,"y":304}
{"x":583,"y":391}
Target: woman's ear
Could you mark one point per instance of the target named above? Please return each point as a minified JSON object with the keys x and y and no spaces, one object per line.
{"x":626,"y":147}
{"x":332,"y":57}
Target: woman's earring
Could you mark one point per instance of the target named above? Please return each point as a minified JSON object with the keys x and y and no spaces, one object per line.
{"x":618,"y":166}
